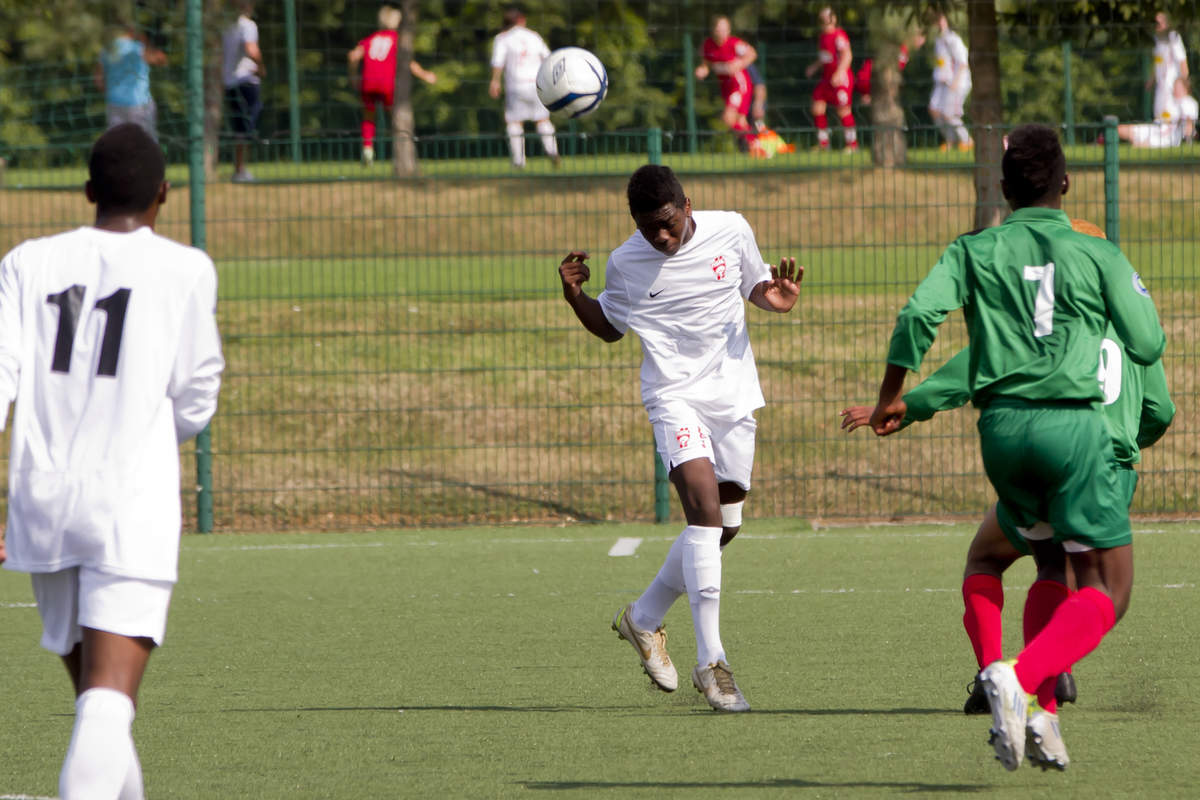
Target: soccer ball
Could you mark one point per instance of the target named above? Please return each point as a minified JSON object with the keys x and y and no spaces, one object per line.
{"x":572,"y":81}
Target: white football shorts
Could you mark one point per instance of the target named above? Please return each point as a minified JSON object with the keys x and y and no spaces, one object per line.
{"x":946,"y":101}
{"x":82,"y":597}
{"x":681,"y":434}
{"x":522,"y":104}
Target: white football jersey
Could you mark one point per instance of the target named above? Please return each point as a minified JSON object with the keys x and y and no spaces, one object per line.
{"x":1169,"y":54}
{"x":950,"y":57}
{"x":109,"y":346}
{"x":520,"y":52}
{"x":688,"y":311}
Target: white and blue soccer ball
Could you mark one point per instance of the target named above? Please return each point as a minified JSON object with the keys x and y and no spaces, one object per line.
{"x":572,"y":81}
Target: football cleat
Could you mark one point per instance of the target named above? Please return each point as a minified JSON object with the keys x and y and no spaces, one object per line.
{"x":977,"y":702}
{"x":1043,"y":740}
{"x":1010,"y":708}
{"x":1064,"y":691}
{"x":715,"y":682}
{"x":651,"y":647}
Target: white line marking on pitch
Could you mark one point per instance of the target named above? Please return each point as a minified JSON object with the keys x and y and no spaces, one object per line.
{"x":15,"y":605}
{"x":625,"y":546}
{"x":25,"y":797}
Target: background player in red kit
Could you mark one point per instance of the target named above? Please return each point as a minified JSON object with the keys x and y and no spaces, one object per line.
{"x":837,"y":82}
{"x":862,"y":78}
{"x":727,"y":57}
{"x":379,"y":73}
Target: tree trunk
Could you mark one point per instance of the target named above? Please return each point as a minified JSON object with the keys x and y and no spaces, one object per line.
{"x":888,"y":146}
{"x":987,"y":114}
{"x":214,"y":86}
{"x":404,"y":148}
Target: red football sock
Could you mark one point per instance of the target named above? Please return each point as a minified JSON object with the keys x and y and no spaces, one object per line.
{"x":983,"y":600}
{"x":848,"y":121}
{"x":1043,"y":600}
{"x":1077,"y":626}
{"x":822,"y":121}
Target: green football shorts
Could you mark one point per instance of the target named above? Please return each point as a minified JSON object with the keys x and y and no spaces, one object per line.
{"x":1127,"y":477}
{"x":1053,"y":462}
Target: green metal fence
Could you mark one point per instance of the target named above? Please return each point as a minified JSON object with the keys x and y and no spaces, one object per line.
{"x":399,"y":352}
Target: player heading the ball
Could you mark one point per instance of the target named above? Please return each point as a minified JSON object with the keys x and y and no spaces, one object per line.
{"x":679,"y":282}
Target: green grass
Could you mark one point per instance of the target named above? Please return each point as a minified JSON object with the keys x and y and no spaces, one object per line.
{"x":479,"y":663}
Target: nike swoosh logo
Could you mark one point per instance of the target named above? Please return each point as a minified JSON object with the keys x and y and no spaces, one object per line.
{"x":656,"y":294}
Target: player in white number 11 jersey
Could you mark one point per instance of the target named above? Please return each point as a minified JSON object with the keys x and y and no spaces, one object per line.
{"x":109,"y":346}
{"x":680,"y":284}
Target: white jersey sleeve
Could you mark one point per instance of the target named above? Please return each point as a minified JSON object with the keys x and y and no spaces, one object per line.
{"x":614,"y":300}
{"x":196,"y":375}
{"x":754,"y":269}
{"x":10,"y":335}
{"x":499,"y":51}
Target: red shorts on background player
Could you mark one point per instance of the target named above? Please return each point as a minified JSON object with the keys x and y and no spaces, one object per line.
{"x":862,"y":78}
{"x":728,"y":57}
{"x":836,"y":86}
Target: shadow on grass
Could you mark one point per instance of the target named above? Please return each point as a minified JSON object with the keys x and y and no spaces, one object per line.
{"x":774,"y":783}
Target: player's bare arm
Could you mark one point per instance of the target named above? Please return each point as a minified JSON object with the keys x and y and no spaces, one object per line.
{"x":702,"y":71}
{"x":494,"y":86}
{"x":420,"y":72}
{"x":574,"y":272}
{"x":781,"y":292}
{"x":889,"y":412}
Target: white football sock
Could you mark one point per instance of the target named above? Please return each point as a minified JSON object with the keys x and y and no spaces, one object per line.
{"x":651,"y":608}
{"x":702,"y":574}
{"x":98,"y":758}
{"x":546,"y":129}
{"x":133,"y":789}
{"x":516,"y":143}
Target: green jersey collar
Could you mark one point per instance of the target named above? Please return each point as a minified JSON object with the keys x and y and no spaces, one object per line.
{"x":1031,"y":213}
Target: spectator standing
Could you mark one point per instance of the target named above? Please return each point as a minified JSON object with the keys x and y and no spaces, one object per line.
{"x":1170,"y":64}
{"x":242,"y":70}
{"x":517,"y":53}
{"x":378,"y":83}
{"x":951,"y":85}
{"x":123,"y":74}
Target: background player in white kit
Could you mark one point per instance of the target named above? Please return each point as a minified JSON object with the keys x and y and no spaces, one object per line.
{"x":951,"y":85}
{"x":109,"y":346}
{"x":679,"y":284}
{"x":1170,"y":64}
{"x":517,"y":53}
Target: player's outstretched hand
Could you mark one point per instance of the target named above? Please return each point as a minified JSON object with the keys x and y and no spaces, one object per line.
{"x":855,"y":417}
{"x":574,"y":273}
{"x":781,"y":292}
{"x":886,"y":420}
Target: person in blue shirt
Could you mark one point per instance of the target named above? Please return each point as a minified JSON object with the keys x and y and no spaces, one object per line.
{"x":123,"y":74}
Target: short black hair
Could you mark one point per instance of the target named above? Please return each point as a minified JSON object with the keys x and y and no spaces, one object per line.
{"x":513,"y":15}
{"x":651,"y":187}
{"x":1034,"y":165}
{"x":126,"y":169}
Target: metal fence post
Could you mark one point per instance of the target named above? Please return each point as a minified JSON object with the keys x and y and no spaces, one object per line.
{"x":195,"y":120}
{"x":289,"y":11}
{"x":1068,"y":98}
{"x":1112,"y":211}
{"x":654,"y":145}
{"x":689,"y":88}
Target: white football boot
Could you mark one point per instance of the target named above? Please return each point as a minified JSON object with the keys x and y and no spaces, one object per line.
{"x":715,"y":682}
{"x":651,"y":647}
{"x":1010,"y":708}
{"x":1043,"y":740}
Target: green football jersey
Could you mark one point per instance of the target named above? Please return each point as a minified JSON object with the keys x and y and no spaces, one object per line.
{"x":1137,"y":405}
{"x":1037,"y":297}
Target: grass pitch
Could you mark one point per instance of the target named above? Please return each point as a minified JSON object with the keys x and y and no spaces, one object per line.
{"x":478,"y":662}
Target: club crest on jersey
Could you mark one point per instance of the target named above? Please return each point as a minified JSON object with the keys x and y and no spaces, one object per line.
{"x":718,"y":267}
{"x":1140,"y":287}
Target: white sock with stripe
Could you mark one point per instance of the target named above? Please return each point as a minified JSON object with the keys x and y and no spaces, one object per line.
{"x":702,"y":575}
